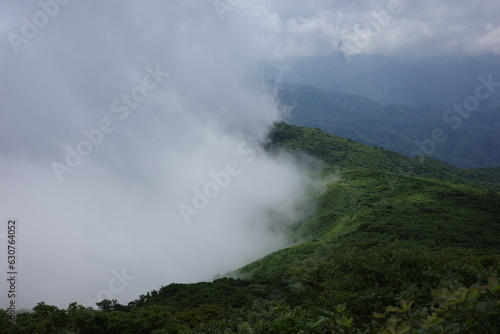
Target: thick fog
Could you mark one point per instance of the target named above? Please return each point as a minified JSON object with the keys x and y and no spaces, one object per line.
{"x":129,"y":150}
{"x":130,"y":133}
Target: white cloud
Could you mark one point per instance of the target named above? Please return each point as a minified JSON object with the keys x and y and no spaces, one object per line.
{"x":316,"y":27}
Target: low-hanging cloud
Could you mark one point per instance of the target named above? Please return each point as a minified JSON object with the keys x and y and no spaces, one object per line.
{"x":112,"y":114}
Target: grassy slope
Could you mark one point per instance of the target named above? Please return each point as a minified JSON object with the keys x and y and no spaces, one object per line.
{"x":387,"y":197}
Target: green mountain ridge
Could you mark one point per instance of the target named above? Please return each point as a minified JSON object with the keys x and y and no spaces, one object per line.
{"x":395,"y":245}
{"x":378,"y":189}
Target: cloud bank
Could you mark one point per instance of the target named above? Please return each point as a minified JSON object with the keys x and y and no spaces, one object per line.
{"x":392,"y":27}
{"x":114,"y":116}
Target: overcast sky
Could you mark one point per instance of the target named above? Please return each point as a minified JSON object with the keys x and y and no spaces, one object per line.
{"x":116,"y":115}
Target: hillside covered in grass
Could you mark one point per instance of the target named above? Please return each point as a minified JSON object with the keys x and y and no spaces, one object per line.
{"x":395,"y":245}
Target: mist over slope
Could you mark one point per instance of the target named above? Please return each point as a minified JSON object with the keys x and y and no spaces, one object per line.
{"x":130,"y":160}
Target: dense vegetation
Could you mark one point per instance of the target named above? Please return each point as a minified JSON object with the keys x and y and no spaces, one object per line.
{"x":396,"y":245}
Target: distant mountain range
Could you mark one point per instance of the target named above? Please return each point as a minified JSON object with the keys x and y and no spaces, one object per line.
{"x":457,"y":137}
{"x":437,"y":81}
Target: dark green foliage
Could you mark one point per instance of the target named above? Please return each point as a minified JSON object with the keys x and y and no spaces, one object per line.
{"x":459,"y":310}
{"x":350,"y":155}
{"x":223,"y":292}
